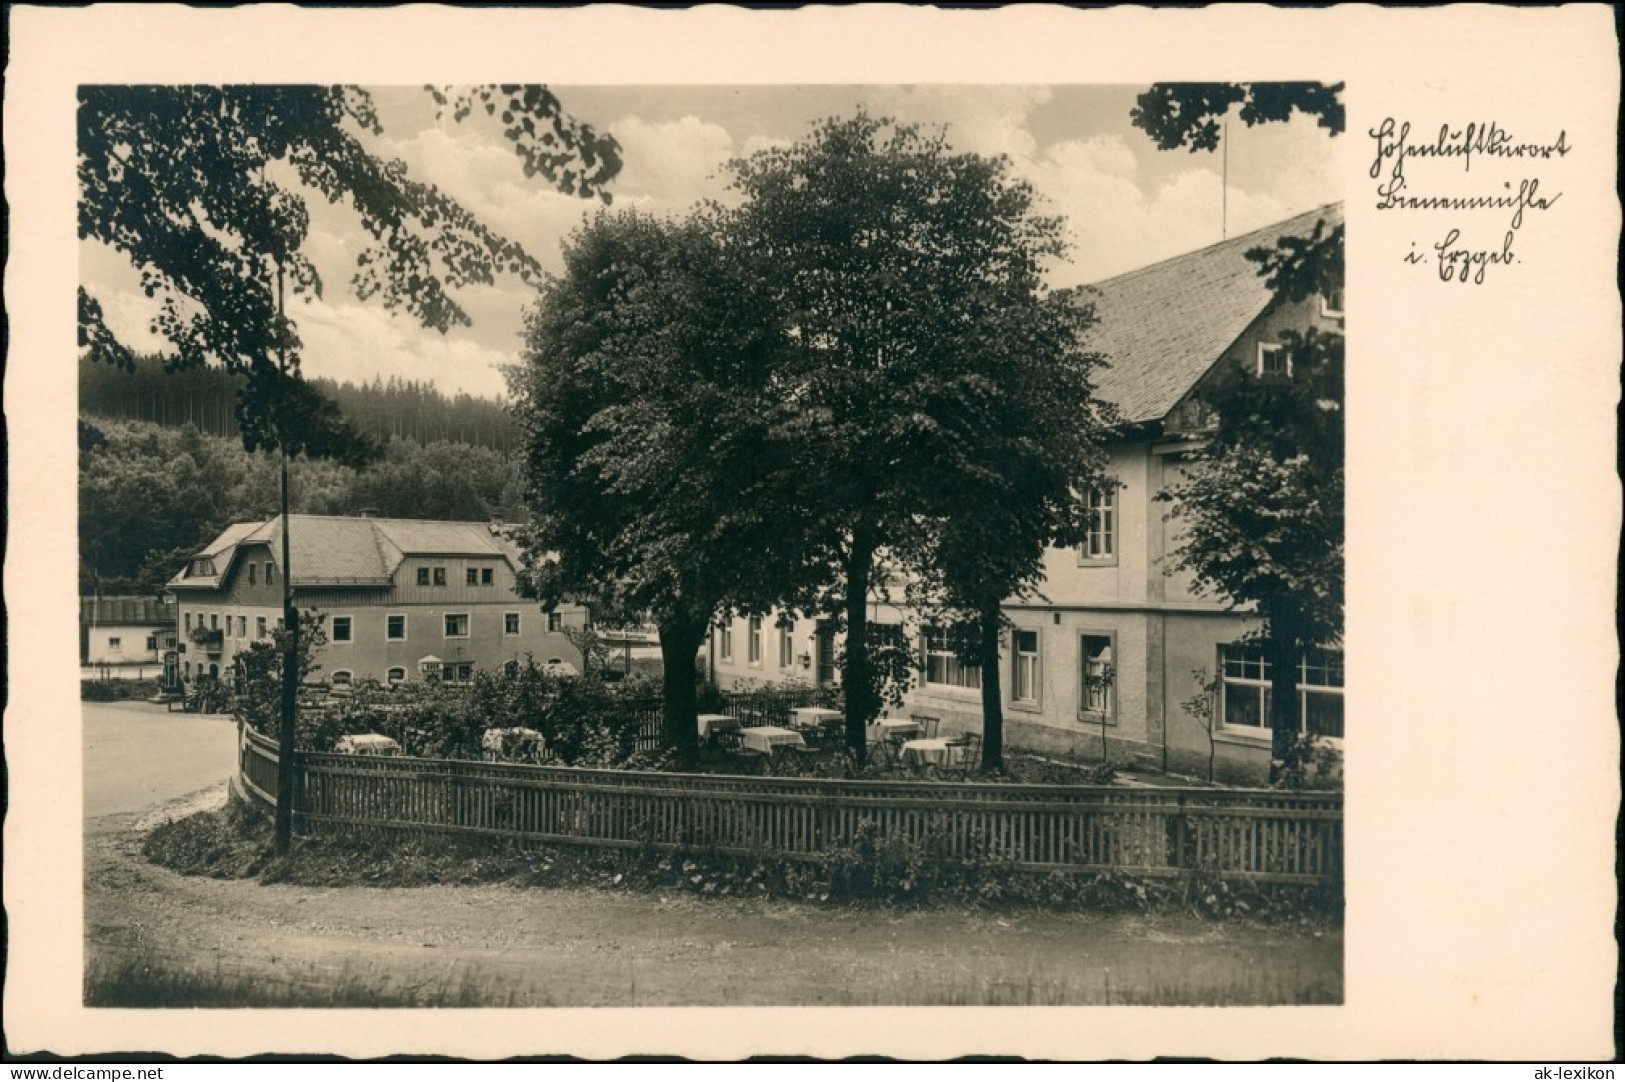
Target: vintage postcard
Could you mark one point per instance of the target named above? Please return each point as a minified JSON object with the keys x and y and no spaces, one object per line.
{"x":824,"y":532}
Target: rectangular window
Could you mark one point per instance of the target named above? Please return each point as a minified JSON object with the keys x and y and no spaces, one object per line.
{"x":456,"y":625}
{"x":555,"y":621}
{"x":114,"y":642}
{"x":942,"y":659}
{"x":1101,"y":541}
{"x":440,"y":576}
{"x":787,"y":656}
{"x":459,"y":672}
{"x":472,"y":578}
{"x":259,"y":627}
{"x":395,"y":627}
{"x":1024,"y":677}
{"x":1099,"y":675}
{"x":253,"y":570}
{"x":1331,"y":303}
{"x":726,"y":646}
{"x":510,"y":623}
{"x":341,"y":628}
{"x":487,"y":576}
{"x":753,"y":644}
{"x":214,"y":621}
{"x":242,"y":627}
{"x":270,"y":572}
{"x":152,"y":642}
{"x":1273,"y":360}
{"x":1247,"y":690}
{"x":423,"y":576}
{"x":187,"y":619}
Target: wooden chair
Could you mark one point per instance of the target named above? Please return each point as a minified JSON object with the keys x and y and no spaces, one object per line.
{"x":927,"y":723}
{"x":884,"y":752}
{"x":968,"y":755}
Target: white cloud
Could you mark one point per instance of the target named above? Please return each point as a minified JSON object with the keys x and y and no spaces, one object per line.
{"x":358,"y":342}
{"x":981,"y":119}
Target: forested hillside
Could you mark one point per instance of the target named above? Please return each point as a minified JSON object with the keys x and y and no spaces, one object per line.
{"x":382,"y":410}
{"x":151,"y":494}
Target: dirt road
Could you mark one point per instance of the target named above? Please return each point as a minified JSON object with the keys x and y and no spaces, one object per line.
{"x":137,"y":755}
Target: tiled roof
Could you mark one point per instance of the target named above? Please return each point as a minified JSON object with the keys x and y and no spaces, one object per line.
{"x":1162,"y":327}
{"x":332,"y":551}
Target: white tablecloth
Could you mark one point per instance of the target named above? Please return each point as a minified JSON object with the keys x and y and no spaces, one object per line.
{"x":813,"y":717}
{"x":764,"y":738}
{"x":710,"y":723}
{"x":935,"y":751}
{"x":893,"y":729}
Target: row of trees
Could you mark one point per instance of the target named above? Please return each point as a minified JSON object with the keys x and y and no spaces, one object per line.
{"x":856,"y":367}
{"x":381,"y":410}
{"x":150,"y":496}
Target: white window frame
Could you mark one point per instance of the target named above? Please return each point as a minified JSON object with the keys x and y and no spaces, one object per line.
{"x":445,"y":627}
{"x":787,"y":648}
{"x":1104,"y":532}
{"x":937,"y":650}
{"x":555,"y":621}
{"x":391,"y":679}
{"x":439,"y":576}
{"x":506,"y":617}
{"x":1260,"y":685}
{"x":1266,"y":349}
{"x":388,"y":616}
{"x":115,"y":642}
{"x":753,"y":641}
{"x":455,"y":669}
{"x":242,"y":626}
{"x":349,"y":628}
{"x":1087,"y":708}
{"x":423,"y":576}
{"x":1034,"y":660}
{"x":343,"y":678}
{"x":725,"y":640}
{"x":471,"y":576}
{"x":259,"y":628}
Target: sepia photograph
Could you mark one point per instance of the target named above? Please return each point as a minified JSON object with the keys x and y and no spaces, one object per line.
{"x":685,"y":545}
{"x":711,"y":534}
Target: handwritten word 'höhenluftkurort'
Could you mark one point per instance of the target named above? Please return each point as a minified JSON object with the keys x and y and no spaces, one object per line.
{"x":1461,"y":146}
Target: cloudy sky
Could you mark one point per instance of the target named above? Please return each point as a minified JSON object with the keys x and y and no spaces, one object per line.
{"x":1126,"y":204}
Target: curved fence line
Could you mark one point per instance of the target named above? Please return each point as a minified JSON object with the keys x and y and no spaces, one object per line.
{"x":1247,"y":834}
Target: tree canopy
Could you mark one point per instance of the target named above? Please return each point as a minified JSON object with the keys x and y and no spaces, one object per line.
{"x":655,"y":459}
{"x":1188,"y":114}
{"x":923,"y":351}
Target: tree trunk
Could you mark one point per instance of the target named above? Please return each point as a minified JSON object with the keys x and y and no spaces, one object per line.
{"x":680,"y":641}
{"x":992,"y":694}
{"x":1281,"y":649}
{"x":857,"y":673}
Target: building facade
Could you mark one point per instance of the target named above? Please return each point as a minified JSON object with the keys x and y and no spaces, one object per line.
{"x":401,"y":600}
{"x":1115,"y":645}
{"x":125,"y":630}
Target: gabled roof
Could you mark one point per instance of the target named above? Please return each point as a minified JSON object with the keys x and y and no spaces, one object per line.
{"x":1162,"y":327}
{"x":335,"y":551}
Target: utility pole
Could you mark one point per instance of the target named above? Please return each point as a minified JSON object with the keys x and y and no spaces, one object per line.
{"x":283,"y":835}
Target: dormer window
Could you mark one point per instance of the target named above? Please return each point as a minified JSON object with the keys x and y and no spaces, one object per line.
{"x":202,"y":567}
{"x":1273,"y":360}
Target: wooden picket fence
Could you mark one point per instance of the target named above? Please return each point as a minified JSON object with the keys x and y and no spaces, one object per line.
{"x":1261,"y":835}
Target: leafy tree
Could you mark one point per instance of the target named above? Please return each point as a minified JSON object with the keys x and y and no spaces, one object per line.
{"x":1188,"y":114}
{"x":909,"y":280}
{"x":1027,"y":454}
{"x":1263,"y":499}
{"x":649,"y":411}
{"x":187,"y":182}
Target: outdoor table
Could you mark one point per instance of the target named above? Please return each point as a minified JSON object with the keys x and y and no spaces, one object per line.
{"x":813,"y":717}
{"x":893,"y":729}
{"x":764,"y":738}
{"x":710,"y":723}
{"x":933,"y":751}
